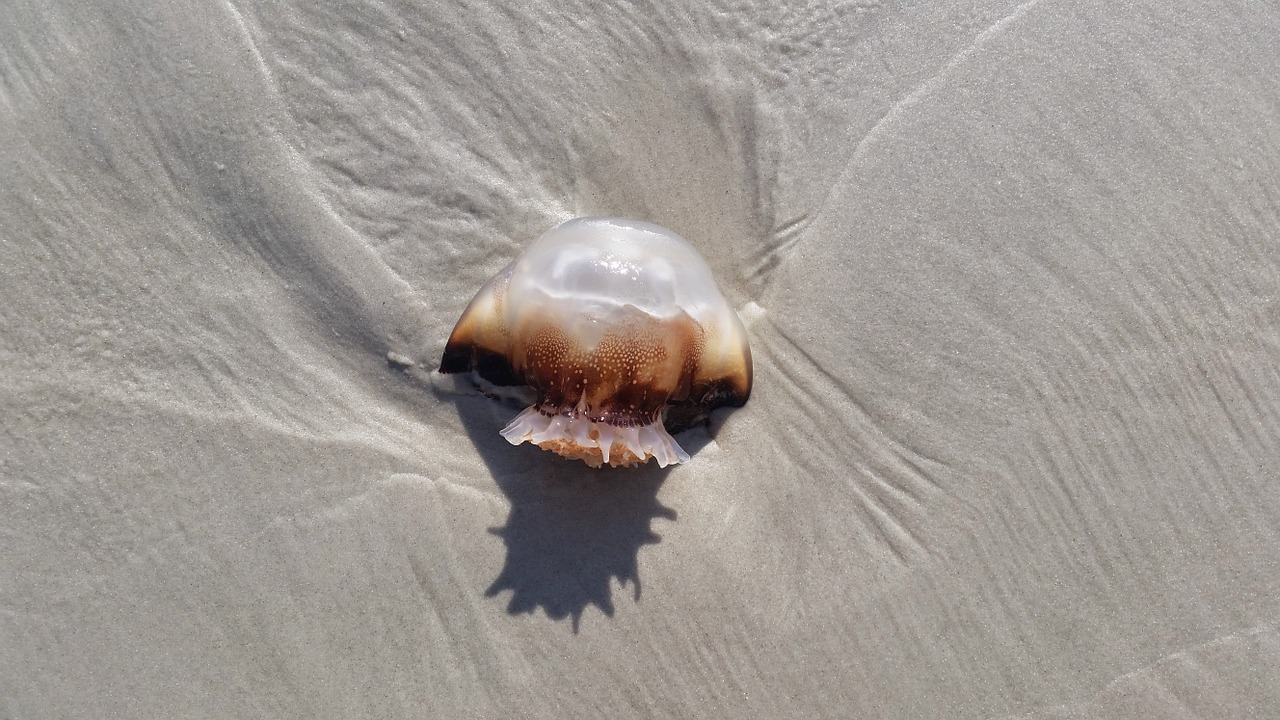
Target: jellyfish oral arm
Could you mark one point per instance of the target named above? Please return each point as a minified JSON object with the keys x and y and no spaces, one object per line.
{"x":579,"y":437}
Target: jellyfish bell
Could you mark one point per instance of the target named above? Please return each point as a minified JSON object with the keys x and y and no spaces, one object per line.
{"x":620,"y":331}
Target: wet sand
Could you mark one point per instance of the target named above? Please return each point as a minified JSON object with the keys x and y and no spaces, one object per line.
{"x":1010,"y":272}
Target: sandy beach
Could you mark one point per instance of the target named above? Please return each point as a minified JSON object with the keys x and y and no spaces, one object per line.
{"x":1011,"y":277}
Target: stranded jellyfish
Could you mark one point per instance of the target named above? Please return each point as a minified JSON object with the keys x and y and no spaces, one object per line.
{"x":618,"y":328}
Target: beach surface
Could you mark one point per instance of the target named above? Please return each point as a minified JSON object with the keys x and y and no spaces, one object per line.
{"x":1010,"y":271}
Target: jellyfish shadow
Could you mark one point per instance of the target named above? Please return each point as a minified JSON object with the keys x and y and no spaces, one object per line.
{"x":572,"y":530}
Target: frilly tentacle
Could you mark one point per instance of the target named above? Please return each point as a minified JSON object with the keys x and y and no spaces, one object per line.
{"x":576,"y":436}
